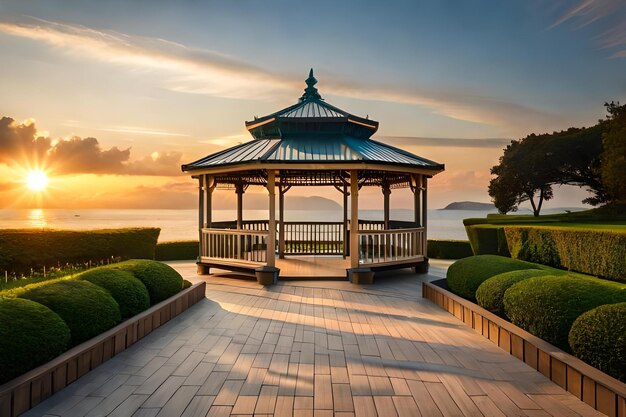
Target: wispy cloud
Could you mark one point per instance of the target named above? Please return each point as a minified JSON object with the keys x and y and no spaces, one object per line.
{"x":607,"y":18}
{"x":200,"y":71}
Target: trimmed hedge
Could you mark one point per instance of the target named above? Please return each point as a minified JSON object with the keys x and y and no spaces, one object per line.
{"x":598,"y":337}
{"x":30,"y":334}
{"x":21,"y":250}
{"x":449,"y":249}
{"x":490,"y":294}
{"x":162,"y":281}
{"x":177,"y":251}
{"x":487,"y":239}
{"x":129,"y":293}
{"x":87,"y":309}
{"x":595,"y":252}
{"x":548,"y":306}
{"x":465,"y":275}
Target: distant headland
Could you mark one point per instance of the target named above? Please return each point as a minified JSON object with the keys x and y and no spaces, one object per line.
{"x":469,"y":205}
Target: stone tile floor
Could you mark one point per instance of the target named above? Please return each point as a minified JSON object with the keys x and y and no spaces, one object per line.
{"x":313,"y":348}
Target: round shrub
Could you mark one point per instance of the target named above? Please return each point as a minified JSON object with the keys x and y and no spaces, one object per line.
{"x":598,"y":337}
{"x":547,"y":306}
{"x":130,"y":293}
{"x":465,"y":275}
{"x":490,"y":294}
{"x":162,"y":281}
{"x":187,"y":284}
{"x":87,"y":309}
{"x":30,"y":335}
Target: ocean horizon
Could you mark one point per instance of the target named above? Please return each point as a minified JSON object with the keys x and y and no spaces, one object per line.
{"x":183,"y":224}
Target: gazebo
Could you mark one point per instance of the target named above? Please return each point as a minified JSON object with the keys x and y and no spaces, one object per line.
{"x":312,"y":143}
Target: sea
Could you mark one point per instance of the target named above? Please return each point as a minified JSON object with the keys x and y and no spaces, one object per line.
{"x":183,"y":224}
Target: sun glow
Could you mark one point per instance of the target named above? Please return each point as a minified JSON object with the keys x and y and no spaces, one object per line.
{"x":36,"y":180}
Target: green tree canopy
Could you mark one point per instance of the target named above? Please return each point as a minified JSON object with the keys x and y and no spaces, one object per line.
{"x":614,"y":155}
{"x":529,"y":168}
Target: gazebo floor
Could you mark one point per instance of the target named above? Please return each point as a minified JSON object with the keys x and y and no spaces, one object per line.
{"x":314,"y":348}
{"x":313,"y":267}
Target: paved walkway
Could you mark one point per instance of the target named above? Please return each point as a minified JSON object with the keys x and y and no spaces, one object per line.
{"x":315,"y":348}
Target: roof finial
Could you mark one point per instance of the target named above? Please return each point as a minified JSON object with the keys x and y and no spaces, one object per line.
{"x":310,"y":92}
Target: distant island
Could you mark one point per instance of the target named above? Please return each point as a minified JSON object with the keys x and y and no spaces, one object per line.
{"x":469,"y":205}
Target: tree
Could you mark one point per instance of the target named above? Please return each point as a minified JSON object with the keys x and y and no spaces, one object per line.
{"x":613,"y":168}
{"x":523,"y":174}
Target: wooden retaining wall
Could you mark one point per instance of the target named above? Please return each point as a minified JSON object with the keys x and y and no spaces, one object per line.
{"x":599,"y":390}
{"x":28,"y":390}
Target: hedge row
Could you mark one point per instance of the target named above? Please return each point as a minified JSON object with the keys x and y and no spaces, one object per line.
{"x":548,"y":306}
{"x":598,"y":337}
{"x":595,"y":252}
{"x":21,"y":250}
{"x":48,"y":317}
{"x":449,"y":249}
{"x":487,"y":240}
{"x":177,"y":251}
{"x":465,"y":275}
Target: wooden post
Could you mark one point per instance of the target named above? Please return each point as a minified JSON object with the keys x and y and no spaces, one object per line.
{"x":386,"y":193}
{"x":209,"y":185}
{"x":354,"y":218}
{"x":281,"y":221}
{"x":201,"y":211}
{"x":271,"y":239}
{"x":417,"y":195}
{"x":424,"y":211}
{"x":239,"y":190}
{"x":346,"y":239}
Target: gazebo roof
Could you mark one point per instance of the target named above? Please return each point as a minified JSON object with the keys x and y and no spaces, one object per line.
{"x":311,"y":131}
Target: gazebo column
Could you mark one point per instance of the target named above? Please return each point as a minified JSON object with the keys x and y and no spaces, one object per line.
{"x":281,"y":221}
{"x":240,"y":190}
{"x":386,"y":192}
{"x":346,"y":238}
{"x":268,"y":274}
{"x":357,"y":274}
{"x":204,"y":217}
{"x":417,"y":196}
{"x":424,"y":212}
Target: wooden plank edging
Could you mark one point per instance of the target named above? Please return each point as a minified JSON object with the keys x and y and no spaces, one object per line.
{"x":26,"y":391}
{"x":601,"y":391}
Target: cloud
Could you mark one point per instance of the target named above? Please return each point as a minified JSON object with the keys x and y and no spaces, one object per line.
{"x":607,"y":18}
{"x":200,"y":71}
{"x":447,"y":142}
{"x":22,"y":144}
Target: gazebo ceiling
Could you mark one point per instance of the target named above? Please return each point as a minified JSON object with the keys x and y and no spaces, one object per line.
{"x":311,"y":132}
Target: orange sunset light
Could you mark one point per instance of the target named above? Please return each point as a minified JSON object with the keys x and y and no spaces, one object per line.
{"x":36,"y":180}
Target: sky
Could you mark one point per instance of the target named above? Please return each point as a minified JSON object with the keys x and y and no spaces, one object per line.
{"x":109,"y":98}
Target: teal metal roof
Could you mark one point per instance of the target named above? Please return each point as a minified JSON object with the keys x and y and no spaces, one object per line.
{"x":312,"y":130}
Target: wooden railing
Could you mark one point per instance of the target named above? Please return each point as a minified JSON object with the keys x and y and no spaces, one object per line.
{"x":391,"y":245}
{"x":313,"y":238}
{"x":234,"y":245}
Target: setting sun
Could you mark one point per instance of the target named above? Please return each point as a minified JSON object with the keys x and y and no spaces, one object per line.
{"x":36,"y":180}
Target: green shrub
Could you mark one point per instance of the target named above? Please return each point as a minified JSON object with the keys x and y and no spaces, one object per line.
{"x":465,"y":275}
{"x":177,"y":251}
{"x":21,"y":250}
{"x":597,"y":252}
{"x":187,"y":284}
{"x":449,"y":249}
{"x":487,"y":239}
{"x":490,"y":294}
{"x":87,"y":309}
{"x":547,"y":306}
{"x":30,"y":334}
{"x":129,"y":293}
{"x":598,"y":337}
{"x":162,"y":281}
